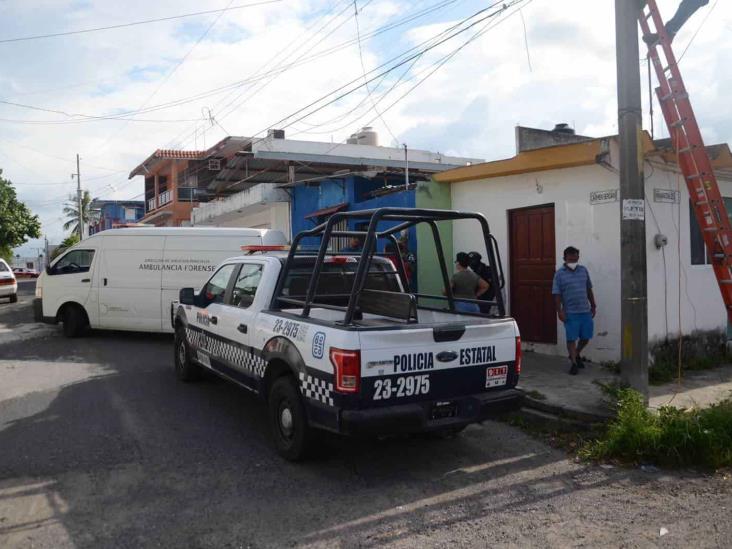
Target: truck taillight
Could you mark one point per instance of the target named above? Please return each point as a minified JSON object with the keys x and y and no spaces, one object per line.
{"x":518,"y":355}
{"x":347,"y":366}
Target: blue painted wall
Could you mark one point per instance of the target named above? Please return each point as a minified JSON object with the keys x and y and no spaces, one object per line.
{"x":113,"y":214}
{"x":353,"y":191}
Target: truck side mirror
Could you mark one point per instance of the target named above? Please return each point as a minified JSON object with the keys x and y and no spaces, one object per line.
{"x":187,"y":296}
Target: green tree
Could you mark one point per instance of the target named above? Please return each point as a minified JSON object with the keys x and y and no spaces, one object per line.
{"x":67,"y":242}
{"x":17,"y":223}
{"x":71,"y":210}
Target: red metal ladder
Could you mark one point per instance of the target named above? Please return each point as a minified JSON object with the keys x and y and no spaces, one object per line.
{"x":696,"y":167}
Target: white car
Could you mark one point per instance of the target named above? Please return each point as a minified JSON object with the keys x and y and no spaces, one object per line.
{"x":8,"y":284}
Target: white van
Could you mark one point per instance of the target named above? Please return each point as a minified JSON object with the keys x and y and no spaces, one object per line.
{"x":126,"y":279}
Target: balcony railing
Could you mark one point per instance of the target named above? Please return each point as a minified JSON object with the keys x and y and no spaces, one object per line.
{"x":164,"y":198}
{"x":151,"y":204}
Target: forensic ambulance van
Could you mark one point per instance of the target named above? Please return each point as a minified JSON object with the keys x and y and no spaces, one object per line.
{"x":340,"y":342}
{"x":126,"y":279}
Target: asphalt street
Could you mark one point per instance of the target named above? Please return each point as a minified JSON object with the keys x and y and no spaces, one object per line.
{"x":100,"y":446}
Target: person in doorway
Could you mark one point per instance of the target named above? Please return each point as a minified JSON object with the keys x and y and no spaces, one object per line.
{"x":575,"y":304}
{"x":484,"y":272}
{"x":466,"y":285}
{"x":683,"y":13}
{"x":355,"y":245}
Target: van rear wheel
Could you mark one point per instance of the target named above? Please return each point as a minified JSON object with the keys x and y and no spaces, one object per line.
{"x":74,"y":321}
{"x":290,"y":430}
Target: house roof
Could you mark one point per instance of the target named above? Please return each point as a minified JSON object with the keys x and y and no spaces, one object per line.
{"x":547,"y":158}
{"x":165,"y":154}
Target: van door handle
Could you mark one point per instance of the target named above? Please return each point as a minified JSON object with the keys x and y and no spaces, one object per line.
{"x":105,"y":281}
{"x":213,"y":320}
{"x":242,"y":328}
{"x":86,"y":279}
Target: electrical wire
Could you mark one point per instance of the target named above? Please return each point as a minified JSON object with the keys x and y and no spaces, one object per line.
{"x":135,"y":23}
{"x":240,"y":83}
{"x":363,"y":68}
{"x":691,"y":41}
{"x":318,"y":105}
{"x":172,"y":71}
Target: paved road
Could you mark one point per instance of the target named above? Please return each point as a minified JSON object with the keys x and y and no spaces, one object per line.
{"x":101,"y":447}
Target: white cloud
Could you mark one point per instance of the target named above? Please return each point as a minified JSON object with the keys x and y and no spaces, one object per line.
{"x":469,"y":107}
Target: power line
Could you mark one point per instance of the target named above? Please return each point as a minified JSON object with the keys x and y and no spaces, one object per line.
{"x":279,"y":69}
{"x":363,"y":68}
{"x":433,"y":42}
{"x":135,"y":23}
{"x":174,"y":69}
{"x":697,"y":31}
{"x":253,"y":78}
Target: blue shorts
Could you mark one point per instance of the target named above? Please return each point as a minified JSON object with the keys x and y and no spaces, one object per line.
{"x":463,"y":307}
{"x":579,"y":326}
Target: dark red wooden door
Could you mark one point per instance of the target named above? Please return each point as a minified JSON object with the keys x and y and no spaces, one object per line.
{"x":532,"y":269}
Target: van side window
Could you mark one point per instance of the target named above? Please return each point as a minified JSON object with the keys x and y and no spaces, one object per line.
{"x":215,"y":288}
{"x":246,"y":285}
{"x":76,"y":261}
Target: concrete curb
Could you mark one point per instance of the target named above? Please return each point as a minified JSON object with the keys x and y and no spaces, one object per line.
{"x":557,"y":416}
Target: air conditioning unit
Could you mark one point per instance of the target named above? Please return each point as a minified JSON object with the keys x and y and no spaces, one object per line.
{"x":214,"y":164}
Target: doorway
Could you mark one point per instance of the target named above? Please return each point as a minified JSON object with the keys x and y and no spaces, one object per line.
{"x":532,"y":250}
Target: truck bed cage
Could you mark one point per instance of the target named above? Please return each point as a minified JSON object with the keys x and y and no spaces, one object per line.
{"x":405,"y":219}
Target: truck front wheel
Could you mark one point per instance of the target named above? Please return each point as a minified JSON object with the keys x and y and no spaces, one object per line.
{"x":185,"y":369}
{"x":290,"y":430}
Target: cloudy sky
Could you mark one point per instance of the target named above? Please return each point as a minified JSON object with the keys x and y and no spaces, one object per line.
{"x":116,"y":95}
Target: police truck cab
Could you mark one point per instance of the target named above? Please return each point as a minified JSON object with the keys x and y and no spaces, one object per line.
{"x":340,"y":342}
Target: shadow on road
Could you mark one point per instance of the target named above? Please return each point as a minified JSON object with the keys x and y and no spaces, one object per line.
{"x":133,"y":457}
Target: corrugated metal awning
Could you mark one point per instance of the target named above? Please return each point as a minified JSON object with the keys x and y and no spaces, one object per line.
{"x":327,"y":211}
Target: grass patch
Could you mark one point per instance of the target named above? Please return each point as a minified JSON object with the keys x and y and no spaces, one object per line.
{"x":670,"y":437}
{"x":536,"y":395}
{"x":699,"y":351}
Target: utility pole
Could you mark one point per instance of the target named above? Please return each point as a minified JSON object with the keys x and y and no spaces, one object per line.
{"x":78,"y":198}
{"x":633,"y":284}
{"x":406,"y":165}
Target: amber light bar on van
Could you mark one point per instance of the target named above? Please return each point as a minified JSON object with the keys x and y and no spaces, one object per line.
{"x":347,"y":365}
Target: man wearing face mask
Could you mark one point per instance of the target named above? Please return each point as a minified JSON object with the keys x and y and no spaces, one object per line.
{"x":575,"y":304}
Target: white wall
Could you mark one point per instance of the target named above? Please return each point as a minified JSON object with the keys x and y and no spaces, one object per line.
{"x":275,"y":215}
{"x":594,"y":229}
{"x":696,"y":289}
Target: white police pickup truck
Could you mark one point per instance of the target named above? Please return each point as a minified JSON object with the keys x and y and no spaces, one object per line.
{"x":339,"y":342}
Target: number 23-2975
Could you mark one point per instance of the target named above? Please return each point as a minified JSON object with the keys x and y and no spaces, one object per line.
{"x":404,"y":386}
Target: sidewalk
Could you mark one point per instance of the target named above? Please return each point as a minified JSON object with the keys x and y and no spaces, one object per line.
{"x":549,"y":388}
{"x":698,"y":389}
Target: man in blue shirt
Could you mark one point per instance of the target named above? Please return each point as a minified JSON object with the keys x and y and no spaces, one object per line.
{"x":575,"y":304}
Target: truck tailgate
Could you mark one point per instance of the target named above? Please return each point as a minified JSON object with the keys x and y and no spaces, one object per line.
{"x":437,"y":362}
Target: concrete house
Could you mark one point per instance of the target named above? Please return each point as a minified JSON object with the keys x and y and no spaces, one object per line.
{"x":562,"y":189}
{"x":291,"y":185}
{"x":108,"y":214}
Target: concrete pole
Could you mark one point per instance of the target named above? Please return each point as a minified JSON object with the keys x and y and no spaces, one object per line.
{"x":633,"y":284}
{"x":79,"y":200}
{"x":406,"y":165}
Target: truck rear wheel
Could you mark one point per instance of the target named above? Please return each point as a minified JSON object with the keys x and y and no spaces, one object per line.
{"x":290,"y":430}
{"x":74,"y":321}
{"x":185,"y":369}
